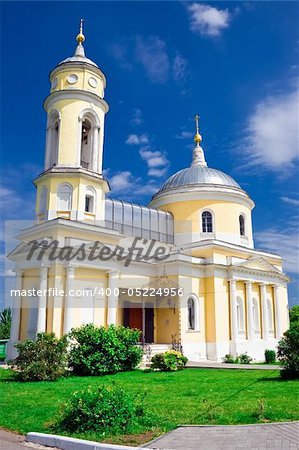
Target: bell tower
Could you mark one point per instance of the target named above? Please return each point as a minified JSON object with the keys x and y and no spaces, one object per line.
{"x":72,"y":185}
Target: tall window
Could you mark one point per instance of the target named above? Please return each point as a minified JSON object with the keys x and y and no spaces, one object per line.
{"x":64,"y":197}
{"x":52,"y":139}
{"x":89,"y":200}
{"x":191,"y":314}
{"x":86,"y":145}
{"x":207,"y":222}
{"x":242,"y":225}
{"x":43,"y":200}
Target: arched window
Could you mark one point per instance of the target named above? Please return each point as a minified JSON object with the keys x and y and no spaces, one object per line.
{"x":269,"y":313}
{"x":53,"y":139}
{"x":43,"y":200}
{"x":86,"y":144}
{"x":240,"y":314}
{"x":207,"y":222}
{"x":255,"y":314}
{"x":191,"y":314}
{"x":64,"y":197}
{"x":242,"y":225}
{"x":90,"y":200}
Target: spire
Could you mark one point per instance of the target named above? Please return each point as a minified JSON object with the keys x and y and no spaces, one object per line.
{"x":198,"y":154}
{"x":80,"y":39}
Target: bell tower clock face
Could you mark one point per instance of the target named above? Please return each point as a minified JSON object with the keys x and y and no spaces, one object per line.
{"x":72,"y":79}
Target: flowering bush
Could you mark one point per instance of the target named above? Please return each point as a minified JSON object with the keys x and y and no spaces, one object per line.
{"x":169,"y":361}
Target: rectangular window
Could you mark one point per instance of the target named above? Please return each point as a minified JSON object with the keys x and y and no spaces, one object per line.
{"x":89,"y":203}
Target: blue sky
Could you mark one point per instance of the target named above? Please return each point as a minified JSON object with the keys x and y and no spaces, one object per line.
{"x":233,"y":63}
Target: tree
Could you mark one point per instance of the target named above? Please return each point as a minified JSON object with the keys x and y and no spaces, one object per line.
{"x":288,"y":352}
{"x":5,"y":323}
{"x":294,"y":314}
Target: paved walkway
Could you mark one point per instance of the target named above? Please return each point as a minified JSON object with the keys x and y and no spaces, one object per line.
{"x":272,"y":436}
{"x":12,"y":441}
{"x":215,"y":365}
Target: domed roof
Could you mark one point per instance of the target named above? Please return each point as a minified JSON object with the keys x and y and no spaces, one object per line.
{"x":199,"y":175}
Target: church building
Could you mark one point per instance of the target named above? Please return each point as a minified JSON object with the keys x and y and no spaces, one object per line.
{"x":219,"y":294}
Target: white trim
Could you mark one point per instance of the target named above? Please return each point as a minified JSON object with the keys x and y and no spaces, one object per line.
{"x":76,"y":94}
{"x":205,"y":192}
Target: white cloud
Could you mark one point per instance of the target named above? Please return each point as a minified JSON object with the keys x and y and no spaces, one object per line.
{"x":208,"y":20}
{"x":271,"y":138}
{"x":152,"y":54}
{"x":180,"y":68}
{"x":125,"y":183}
{"x":284,"y":243}
{"x":290,"y":201}
{"x":137,"y":117}
{"x":184,"y":135}
{"x":153,"y":158}
{"x":135,"y":139}
{"x":154,"y":172}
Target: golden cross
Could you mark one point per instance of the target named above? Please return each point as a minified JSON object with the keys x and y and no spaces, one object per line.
{"x":81,"y":26}
{"x":196,"y":118}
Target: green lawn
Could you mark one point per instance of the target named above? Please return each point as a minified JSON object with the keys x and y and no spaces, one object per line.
{"x":192,"y":396}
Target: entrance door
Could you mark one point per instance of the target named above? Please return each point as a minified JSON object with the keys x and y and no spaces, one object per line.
{"x":149,"y":325}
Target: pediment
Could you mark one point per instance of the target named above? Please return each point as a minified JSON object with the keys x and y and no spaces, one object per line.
{"x":258,"y":263}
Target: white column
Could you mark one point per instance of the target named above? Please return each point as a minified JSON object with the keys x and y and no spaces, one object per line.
{"x":42,"y":302}
{"x":250,"y":331}
{"x":264,"y":311}
{"x":113,"y":284}
{"x":277,"y":311}
{"x":16,"y":317}
{"x":68,"y":319}
{"x":95,"y":146}
{"x":80,"y":121}
{"x":233,"y":310}
{"x":48,"y":146}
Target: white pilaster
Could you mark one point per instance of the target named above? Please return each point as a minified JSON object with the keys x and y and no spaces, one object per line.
{"x":16,"y":316}
{"x":265,"y":325}
{"x":95,"y":153}
{"x":42,"y":302}
{"x":233,"y":310}
{"x":277,"y":311}
{"x":68,"y":319}
{"x":250,"y":331}
{"x":113,"y":283}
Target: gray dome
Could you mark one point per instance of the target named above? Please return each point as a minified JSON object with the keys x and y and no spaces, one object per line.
{"x":198,"y":175}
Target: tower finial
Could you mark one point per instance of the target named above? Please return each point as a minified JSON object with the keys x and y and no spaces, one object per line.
{"x":198,"y":154}
{"x":197,"y":136}
{"x":80,"y":37}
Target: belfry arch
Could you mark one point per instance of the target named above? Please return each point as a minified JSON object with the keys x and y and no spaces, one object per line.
{"x":89,"y":129}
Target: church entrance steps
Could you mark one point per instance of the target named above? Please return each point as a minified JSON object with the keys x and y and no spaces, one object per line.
{"x":151,"y":350}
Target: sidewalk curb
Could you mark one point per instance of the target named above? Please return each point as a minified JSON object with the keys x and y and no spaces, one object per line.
{"x":68,"y":443}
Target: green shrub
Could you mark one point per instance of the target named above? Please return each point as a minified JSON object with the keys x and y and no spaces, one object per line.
{"x":107,"y":410}
{"x":5,"y":323}
{"x":239,"y":359}
{"x":244,"y":359}
{"x":169,"y":361}
{"x":270,"y":356}
{"x":43,"y":359}
{"x":98,"y":350}
{"x":294,"y":315}
{"x":288,"y":353}
{"x":229,"y":359}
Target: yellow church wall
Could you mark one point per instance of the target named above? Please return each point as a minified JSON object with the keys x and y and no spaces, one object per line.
{"x":221,"y":294}
{"x":69,"y":136}
{"x":167,"y":324}
{"x":83,"y":75}
{"x":283,"y":308}
{"x":210,"y":310}
{"x":30,"y":281}
{"x":226,"y":215}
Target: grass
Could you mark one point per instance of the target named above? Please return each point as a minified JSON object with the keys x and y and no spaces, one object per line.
{"x":192,"y":396}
